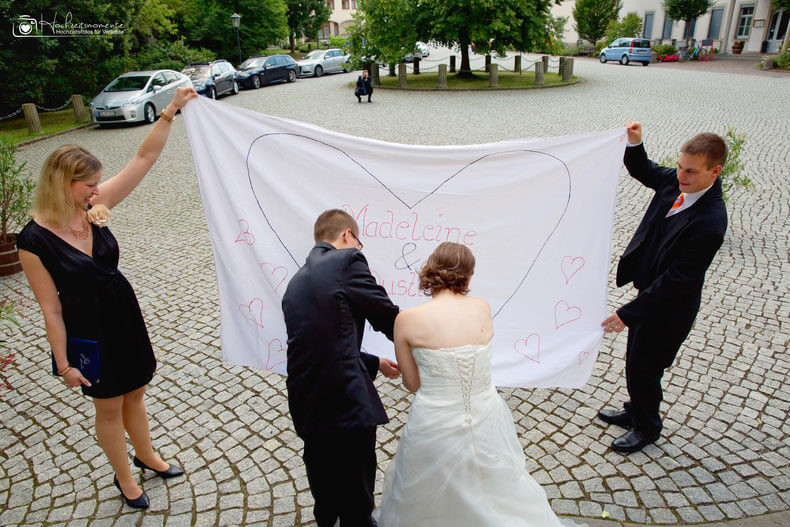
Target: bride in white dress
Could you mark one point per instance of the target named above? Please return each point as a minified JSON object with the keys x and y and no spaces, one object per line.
{"x":459,"y":462}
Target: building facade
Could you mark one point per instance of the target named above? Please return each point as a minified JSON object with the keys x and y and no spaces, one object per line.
{"x":760,"y":27}
{"x":340,"y":18}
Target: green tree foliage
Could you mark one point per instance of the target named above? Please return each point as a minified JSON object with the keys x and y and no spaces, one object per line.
{"x":383,"y":31}
{"x":629,"y":26}
{"x":305,"y":17}
{"x":687,"y":10}
{"x":594,"y":16}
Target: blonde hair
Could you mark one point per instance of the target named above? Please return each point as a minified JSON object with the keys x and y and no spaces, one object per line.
{"x":54,"y":202}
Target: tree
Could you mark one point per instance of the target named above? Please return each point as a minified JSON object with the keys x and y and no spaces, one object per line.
{"x":383,"y":31}
{"x":629,"y":26}
{"x":594,"y":16}
{"x":783,"y":4}
{"x":687,"y":10}
{"x":305,"y":17}
{"x":492,"y":25}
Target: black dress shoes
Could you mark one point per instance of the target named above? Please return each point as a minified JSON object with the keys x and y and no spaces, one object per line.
{"x":171,"y":472}
{"x":632,"y":441}
{"x":140,"y":502}
{"x":615,"y":417}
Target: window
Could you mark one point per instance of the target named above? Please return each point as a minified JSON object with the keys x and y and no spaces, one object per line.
{"x":688,"y":32}
{"x":331,"y":4}
{"x":667,"y":32}
{"x":745,"y":21}
{"x":326,"y":31}
{"x":171,"y":76}
{"x":716,"y":17}
{"x":647,"y":30}
{"x":159,"y":80}
{"x":353,"y":4}
{"x":345,"y":4}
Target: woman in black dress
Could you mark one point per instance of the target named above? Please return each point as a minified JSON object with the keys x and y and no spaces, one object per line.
{"x":71,"y":262}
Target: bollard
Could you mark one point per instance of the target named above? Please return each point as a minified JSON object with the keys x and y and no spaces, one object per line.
{"x":452,"y":64}
{"x":493,"y":75}
{"x":488,"y":62}
{"x":79,"y":108}
{"x":539,"y":73}
{"x":416,"y":62}
{"x":31,"y":118}
{"x":562,"y":66}
{"x":442,"y":76}
{"x":567,"y":72}
{"x":517,"y":64}
{"x":401,"y":75}
{"x":545,"y":59}
{"x":392,"y":69}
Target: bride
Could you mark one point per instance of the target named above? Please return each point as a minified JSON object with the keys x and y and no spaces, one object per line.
{"x":459,"y":462}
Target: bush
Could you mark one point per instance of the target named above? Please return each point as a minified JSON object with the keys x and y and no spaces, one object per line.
{"x":337,"y":42}
{"x":168,"y":65}
{"x":173,"y":53}
{"x":664,"y":50}
{"x":303,"y":48}
{"x":782,"y":61}
{"x":570,"y":52}
{"x":599,"y":46}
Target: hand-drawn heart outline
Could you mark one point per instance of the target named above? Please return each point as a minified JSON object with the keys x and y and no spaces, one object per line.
{"x":583,"y":355}
{"x":568,"y":308}
{"x":411,"y":206}
{"x":269,"y":357}
{"x":274,"y":270}
{"x":241,"y":237}
{"x":571,"y":264}
{"x":526,"y":345}
{"x":259,"y":320}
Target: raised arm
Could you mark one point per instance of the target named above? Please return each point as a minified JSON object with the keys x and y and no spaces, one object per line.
{"x":638,"y":165}
{"x":115,"y":189}
{"x":47,"y":296}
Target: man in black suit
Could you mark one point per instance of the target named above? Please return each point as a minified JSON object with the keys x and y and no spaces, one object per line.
{"x":333,"y":403}
{"x":666,"y":260}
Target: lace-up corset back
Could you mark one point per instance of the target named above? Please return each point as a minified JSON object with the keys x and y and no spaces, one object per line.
{"x":443,"y":371}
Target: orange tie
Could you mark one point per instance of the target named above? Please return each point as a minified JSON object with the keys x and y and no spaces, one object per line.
{"x":678,"y":202}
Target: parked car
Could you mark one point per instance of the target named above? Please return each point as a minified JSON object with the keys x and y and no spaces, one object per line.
{"x":257,"y":71}
{"x":627,"y":50}
{"x":136,"y":96}
{"x":321,"y":61}
{"x":212,"y":79}
{"x":421,"y":50}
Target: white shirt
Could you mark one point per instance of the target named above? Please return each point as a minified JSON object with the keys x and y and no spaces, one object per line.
{"x":689,"y":198}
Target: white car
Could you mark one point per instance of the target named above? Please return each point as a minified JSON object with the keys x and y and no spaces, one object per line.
{"x":136,"y":96}
{"x":423,"y":48}
{"x":321,"y":61}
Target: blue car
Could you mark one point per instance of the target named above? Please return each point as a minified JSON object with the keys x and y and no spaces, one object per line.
{"x":213,"y":79}
{"x":627,"y":50}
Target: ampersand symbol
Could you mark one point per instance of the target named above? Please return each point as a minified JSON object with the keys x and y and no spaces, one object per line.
{"x":403,"y":262}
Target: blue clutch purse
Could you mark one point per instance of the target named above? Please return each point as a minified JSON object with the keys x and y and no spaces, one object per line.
{"x":83,"y":355}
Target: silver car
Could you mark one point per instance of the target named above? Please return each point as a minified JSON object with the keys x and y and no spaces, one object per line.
{"x":323,"y":61}
{"x":136,"y":96}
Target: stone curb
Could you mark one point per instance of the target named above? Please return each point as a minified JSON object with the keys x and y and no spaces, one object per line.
{"x":504,"y":88}
{"x":43,"y":137}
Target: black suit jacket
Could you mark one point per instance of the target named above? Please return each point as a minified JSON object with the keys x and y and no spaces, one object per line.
{"x":330,"y":386}
{"x":679,"y":259}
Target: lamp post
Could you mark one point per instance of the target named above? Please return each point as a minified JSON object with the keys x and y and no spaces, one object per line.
{"x":235,"y":18}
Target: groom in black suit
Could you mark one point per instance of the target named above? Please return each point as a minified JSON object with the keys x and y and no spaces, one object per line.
{"x":333,"y":403}
{"x":666,"y":260}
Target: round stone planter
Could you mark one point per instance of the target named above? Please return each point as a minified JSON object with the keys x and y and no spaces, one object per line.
{"x":9,"y":257}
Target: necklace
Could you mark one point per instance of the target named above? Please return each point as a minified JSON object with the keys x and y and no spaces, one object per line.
{"x":81,"y":234}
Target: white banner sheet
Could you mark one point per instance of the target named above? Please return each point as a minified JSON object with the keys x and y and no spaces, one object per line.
{"x":536,"y":213}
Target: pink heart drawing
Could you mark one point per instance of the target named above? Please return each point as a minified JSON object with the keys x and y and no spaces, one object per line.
{"x":531,"y":347}
{"x":276,"y":272}
{"x":254,"y":313}
{"x":570,"y":266}
{"x":246,"y":236}
{"x":566,"y":314}
{"x":408,"y":203}
{"x":277,"y":355}
{"x":583,"y":355}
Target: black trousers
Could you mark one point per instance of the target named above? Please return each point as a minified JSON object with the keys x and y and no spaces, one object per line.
{"x":341,"y":469}
{"x":651,"y":348}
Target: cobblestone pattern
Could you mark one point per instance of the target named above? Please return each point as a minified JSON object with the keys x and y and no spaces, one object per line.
{"x":724,"y":453}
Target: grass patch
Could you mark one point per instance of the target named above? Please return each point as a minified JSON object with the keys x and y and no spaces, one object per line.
{"x":51,"y":122}
{"x":507,"y":79}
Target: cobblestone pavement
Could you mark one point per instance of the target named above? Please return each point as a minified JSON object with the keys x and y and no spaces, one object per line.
{"x":724,"y":453}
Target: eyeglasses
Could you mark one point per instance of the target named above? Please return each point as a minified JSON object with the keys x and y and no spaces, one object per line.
{"x":357,"y":239}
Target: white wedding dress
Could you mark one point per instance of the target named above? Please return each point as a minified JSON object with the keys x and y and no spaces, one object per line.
{"x":459,"y":462}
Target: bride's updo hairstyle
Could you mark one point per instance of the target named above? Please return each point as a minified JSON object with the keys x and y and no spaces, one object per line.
{"x":449,"y":267}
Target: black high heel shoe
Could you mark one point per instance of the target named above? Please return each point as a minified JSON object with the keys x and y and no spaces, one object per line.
{"x":171,"y":472}
{"x":140,"y":502}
